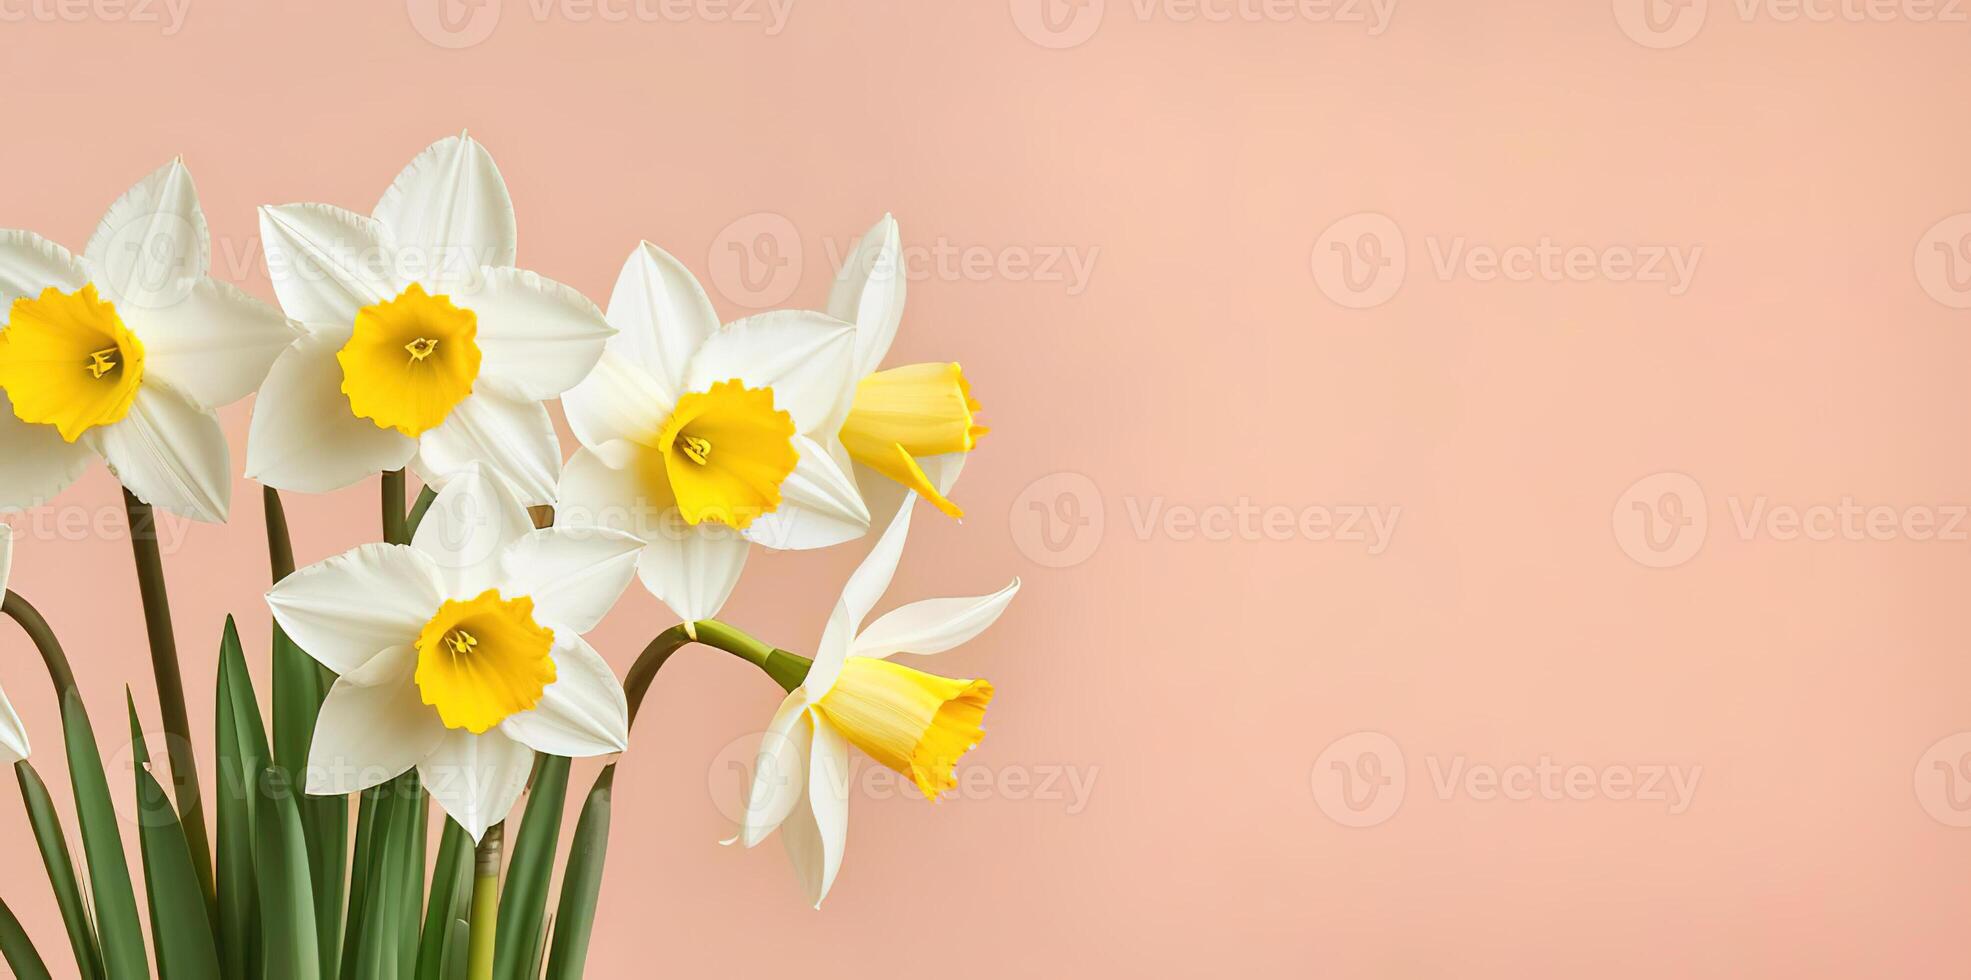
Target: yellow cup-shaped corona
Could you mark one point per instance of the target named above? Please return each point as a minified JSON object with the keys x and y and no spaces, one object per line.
{"x":916,"y":723}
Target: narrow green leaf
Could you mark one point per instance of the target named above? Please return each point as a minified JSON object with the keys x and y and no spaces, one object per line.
{"x":18,"y":949}
{"x":458,"y":945}
{"x":359,"y":878}
{"x":121,"y":932}
{"x":287,"y":902}
{"x":180,"y":932}
{"x":525,"y":897}
{"x":300,"y":684}
{"x":451,"y":879}
{"x":242,"y":754}
{"x":377,"y":948}
{"x":53,"y":842}
{"x":581,"y":883}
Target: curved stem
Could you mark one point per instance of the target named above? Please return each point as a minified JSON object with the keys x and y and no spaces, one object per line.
{"x":170,"y":683}
{"x":485,"y":918}
{"x":37,"y":630}
{"x":787,"y":669}
{"x":396,"y":527}
{"x":424,"y":499}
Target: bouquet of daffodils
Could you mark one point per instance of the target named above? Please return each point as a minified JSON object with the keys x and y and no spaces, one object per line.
{"x":445,"y":664}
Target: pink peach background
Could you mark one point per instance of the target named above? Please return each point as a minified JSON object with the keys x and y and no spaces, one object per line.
{"x":1169,"y":787}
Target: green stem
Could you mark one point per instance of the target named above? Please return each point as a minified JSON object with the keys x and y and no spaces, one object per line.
{"x":787,"y":669}
{"x":424,"y":499}
{"x":484,"y":923}
{"x":37,"y":630}
{"x":396,"y":527}
{"x":170,"y":685}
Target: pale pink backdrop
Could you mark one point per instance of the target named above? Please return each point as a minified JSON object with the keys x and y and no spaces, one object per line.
{"x":1183,"y":301}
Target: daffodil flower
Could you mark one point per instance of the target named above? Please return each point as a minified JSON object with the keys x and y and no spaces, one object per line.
{"x":916,"y":723}
{"x":125,"y":351}
{"x":703,"y":439}
{"x":13,"y":735}
{"x":461,"y":653}
{"x":909,"y":427}
{"x":424,"y":345}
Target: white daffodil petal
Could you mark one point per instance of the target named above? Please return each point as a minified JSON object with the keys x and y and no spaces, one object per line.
{"x":618,"y":400}
{"x":30,"y":264}
{"x":819,"y":505}
{"x":477,"y":778}
{"x":694,"y":570}
{"x":574,"y":576}
{"x":152,"y":243}
{"x":828,"y":801}
{"x":600,"y":488}
{"x":13,"y":734}
{"x":779,"y":771}
{"x":514,"y":438}
{"x":865,"y":586}
{"x":171,"y":453}
{"x":869,"y":292}
{"x":473,"y":521}
{"x":450,"y":209}
{"x":806,"y":358}
{"x":663,"y":316}
{"x":374,"y":726}
{"x":326,"y":263}
{"x":215,"y":343}
{"x":347,"y":609}
{"x":539,"y":337}
{"x":933,"y":625}
{"x":40,"y":463}
{"x":583,"y":713}
{"x":304,"y":437}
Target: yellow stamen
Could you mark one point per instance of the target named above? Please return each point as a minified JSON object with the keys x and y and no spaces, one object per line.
{"x":756,"y":454}
{"x":484,"y":660}
{"x":47,"y":338}
{"x":417,"y":393}
{"x":916,"y":723}
{"x":907,"y":413}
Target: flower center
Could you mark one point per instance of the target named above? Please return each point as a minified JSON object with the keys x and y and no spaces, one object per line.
{"x":410,"y":361}
{"x":482,"y":661}
{"x":906,"y":413}
{"x":755,"y":454}
{"x":67,"y":360}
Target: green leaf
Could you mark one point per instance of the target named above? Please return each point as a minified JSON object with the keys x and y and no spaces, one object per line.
{"x":378,"y":949}
{"x":287,"y":902}
{"x":180,"y":931}
{"x":581,"y":883}
{"x":451,"y":888}
{"x":525,"y":898}
{"x":18,"y":949}
{"x":53,"y":842}
{"x":122,"y":933}
{"x":242,"y":754}
{"x":300,"y":684}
